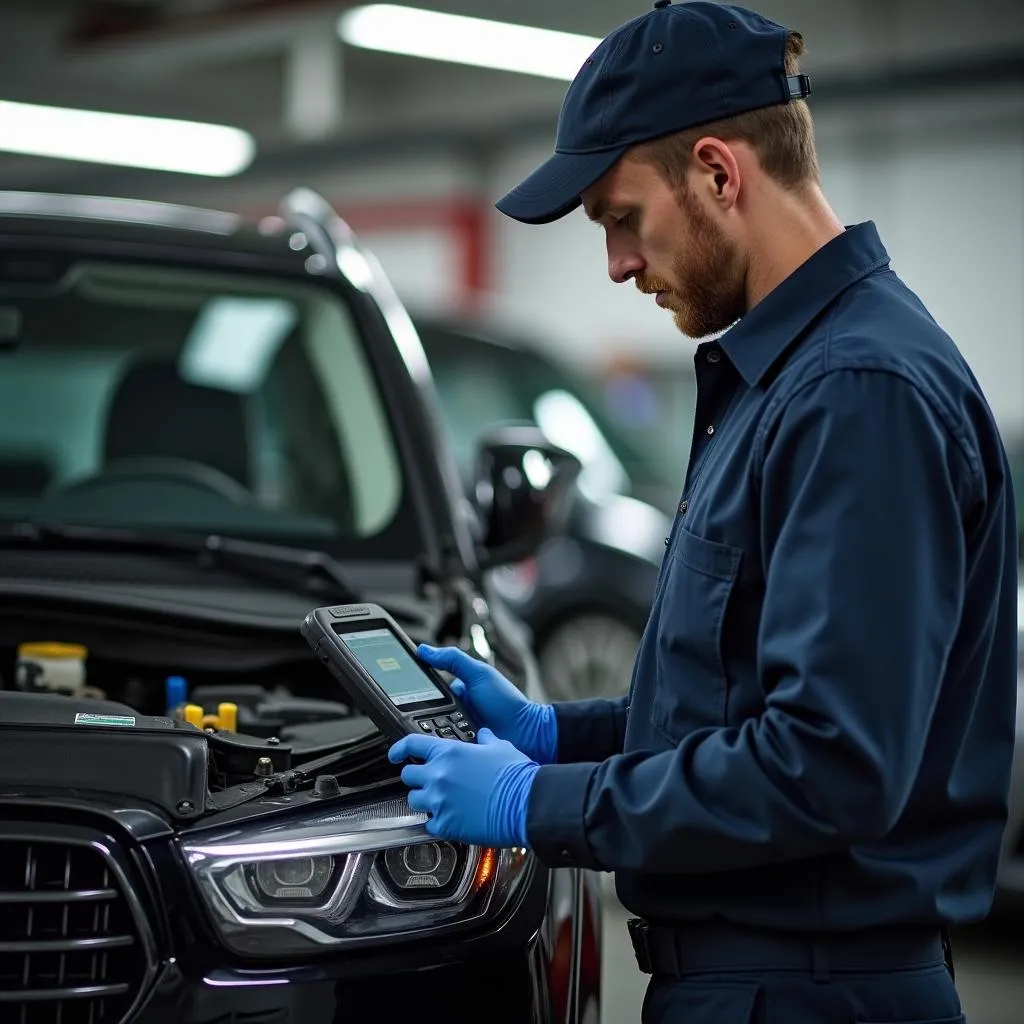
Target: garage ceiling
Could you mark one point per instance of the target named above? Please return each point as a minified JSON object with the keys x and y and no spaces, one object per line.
{"x":231,"y":62}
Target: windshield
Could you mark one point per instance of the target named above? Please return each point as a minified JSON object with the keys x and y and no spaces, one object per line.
{"x":480,"y":384}
{"x":142,"y":396}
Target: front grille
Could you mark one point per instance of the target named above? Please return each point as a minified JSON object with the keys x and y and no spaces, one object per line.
{"x":69,"y":949}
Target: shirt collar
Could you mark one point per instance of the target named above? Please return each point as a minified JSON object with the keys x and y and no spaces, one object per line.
{"x":759,"y":339}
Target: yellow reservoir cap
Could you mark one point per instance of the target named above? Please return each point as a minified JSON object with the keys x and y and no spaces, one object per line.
{"x":228,"y":717}
{"x":49,"y":649}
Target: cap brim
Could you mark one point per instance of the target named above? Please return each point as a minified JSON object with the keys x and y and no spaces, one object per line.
{"x":554,"y":188}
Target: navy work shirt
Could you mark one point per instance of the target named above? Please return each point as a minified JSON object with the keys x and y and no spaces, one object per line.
{"x":820,"y":726}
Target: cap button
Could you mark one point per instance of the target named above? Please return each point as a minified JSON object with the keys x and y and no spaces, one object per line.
{"x":659,"y":4}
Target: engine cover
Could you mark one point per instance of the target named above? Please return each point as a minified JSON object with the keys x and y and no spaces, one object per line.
{"x":61,"y":743}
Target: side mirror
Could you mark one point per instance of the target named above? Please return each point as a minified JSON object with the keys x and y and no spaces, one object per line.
{"x":524,"y":490}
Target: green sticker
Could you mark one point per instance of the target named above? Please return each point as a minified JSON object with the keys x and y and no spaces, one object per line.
{"x":119,"y":720}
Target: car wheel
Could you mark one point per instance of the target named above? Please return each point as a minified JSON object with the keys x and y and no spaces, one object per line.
{"x":588,"y":655}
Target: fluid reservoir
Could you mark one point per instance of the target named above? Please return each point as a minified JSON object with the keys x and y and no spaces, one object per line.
{"x":58,"y":667}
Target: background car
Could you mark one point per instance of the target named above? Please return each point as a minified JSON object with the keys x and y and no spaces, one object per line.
{"x":207,"y":429}
{"x":586,"y":592}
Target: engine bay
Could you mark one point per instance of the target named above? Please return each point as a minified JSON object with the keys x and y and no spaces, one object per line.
{"x":273,"y":714}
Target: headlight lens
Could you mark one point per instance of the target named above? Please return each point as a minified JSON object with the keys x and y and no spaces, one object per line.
{"x":364,"y":874}
{"x":295,"y":879}
{"x":428,"y":868}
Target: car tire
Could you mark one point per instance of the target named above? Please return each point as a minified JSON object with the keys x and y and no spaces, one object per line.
{"x":588,"y":655}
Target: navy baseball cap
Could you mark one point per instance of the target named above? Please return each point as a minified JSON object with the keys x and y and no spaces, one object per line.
{"x":677,"y":66}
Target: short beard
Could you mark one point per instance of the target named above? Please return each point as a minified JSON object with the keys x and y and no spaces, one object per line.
{"x":708,"y":292}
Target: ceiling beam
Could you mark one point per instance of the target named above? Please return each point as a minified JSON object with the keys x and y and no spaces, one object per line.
{"x":146,"y":35}
{"x":968,"y":79}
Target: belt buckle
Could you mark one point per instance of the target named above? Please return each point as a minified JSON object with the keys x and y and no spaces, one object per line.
{"x":638,"y":932}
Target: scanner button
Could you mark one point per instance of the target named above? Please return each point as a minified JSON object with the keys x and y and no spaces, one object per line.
{"x":426,"y":726}
{"x":469,"y":735}
{"x":442,"y":723}
{"x":446,"y":734}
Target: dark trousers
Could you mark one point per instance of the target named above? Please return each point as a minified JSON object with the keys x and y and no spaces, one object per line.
{"x":731,"y":976}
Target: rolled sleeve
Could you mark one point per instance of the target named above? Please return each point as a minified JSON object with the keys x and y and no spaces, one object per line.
{"x":863,"y":490}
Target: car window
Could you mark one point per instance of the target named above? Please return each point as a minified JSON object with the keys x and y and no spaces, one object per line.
{"x":472,"y":397}
{"x":139,"y":395}
{"x":480,"y":384}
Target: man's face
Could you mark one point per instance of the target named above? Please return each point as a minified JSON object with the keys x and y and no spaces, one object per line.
{"x":669,"y":245}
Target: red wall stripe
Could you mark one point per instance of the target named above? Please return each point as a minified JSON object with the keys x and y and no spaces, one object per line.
{"x":467,"y":219}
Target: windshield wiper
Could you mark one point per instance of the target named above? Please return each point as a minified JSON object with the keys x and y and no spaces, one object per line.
{"x":313,"y":570}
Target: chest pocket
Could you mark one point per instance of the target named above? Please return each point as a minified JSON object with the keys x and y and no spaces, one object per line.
{"x":690,"y":677}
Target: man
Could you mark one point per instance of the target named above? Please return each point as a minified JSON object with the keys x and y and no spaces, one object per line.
{"x":808,"y":781}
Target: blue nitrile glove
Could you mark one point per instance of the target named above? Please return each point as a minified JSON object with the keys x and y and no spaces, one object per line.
{"x":498,"y":704}
{"x":476,"y":792}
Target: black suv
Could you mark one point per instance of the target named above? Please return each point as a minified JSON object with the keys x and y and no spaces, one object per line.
{"x":207,"y":428}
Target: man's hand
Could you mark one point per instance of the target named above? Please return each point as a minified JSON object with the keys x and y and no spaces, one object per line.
{"x":497,"y":703}
{"x":475,"y":792}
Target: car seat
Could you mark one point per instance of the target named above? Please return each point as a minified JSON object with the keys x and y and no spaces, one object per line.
{"x":155,"y":414}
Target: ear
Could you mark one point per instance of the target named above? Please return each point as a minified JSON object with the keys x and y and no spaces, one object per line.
{"x":716,"y":172}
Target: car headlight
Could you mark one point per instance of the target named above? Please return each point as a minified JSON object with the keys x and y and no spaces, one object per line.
{"x":364,"y":874}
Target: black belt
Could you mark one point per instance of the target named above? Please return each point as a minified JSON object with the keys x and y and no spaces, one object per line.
{"x":674,"y":950}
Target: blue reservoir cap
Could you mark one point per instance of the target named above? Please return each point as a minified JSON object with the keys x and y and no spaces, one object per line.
{"x":176,"y":689}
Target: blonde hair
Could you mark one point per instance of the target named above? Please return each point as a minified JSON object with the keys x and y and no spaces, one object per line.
{"x":782,"y":135}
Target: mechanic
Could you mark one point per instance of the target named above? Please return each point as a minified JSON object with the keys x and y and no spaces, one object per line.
{"x":808,"y":782}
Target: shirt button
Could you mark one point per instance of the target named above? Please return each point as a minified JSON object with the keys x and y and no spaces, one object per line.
{"x":711,"y":430}
{"x":683,"y":506}
{"x":714,"y":355}
{"x":566,"y":856}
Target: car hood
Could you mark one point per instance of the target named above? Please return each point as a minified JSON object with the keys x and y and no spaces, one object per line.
{"x":247,"y":606}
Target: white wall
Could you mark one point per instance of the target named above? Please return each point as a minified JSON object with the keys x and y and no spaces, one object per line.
{"x":949,"y":201}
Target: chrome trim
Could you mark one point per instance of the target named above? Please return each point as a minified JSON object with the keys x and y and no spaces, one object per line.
{"x":67,"y":945}
{"x":42,"y":995}
{"x":307,"y":843}
{"x":330,"y":235}
{"x":75,"y":896}
{"x":73,"y":835}
{"x":118,"y":210}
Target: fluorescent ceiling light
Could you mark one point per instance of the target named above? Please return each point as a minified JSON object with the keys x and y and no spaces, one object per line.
{"x":462,"y":40}
{"x":125,"y":140}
